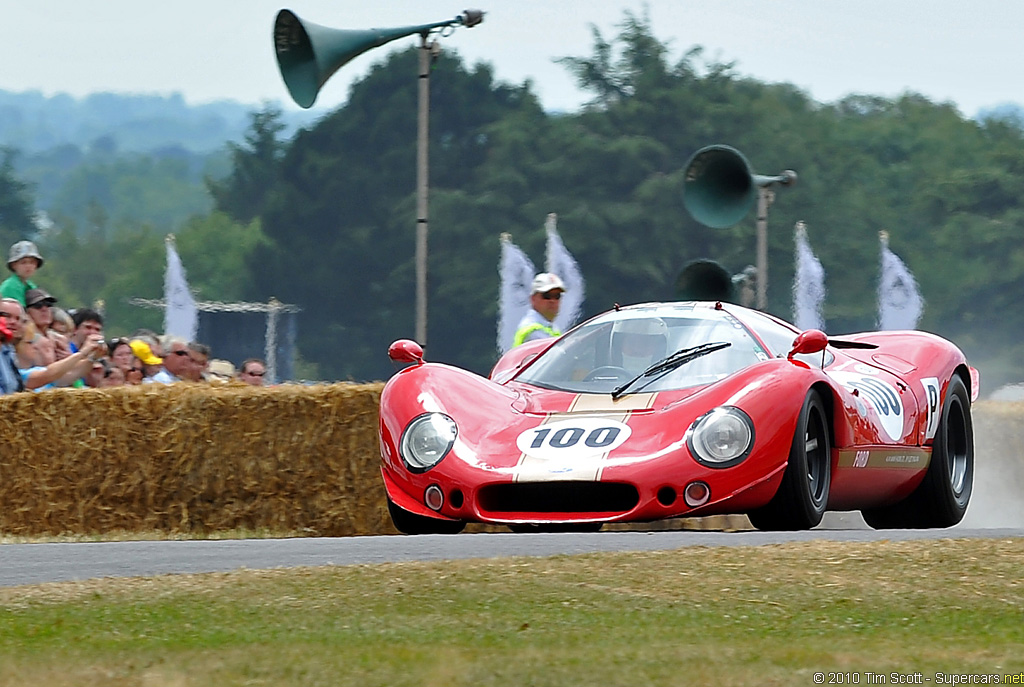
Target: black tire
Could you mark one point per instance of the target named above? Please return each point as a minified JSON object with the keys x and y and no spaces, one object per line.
{"x":942,"y":497}
{"x":410,"y":523}
{"x":802,"y":497}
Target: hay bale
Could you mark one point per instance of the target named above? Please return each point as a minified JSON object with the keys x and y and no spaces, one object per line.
{"x":192,"y":458}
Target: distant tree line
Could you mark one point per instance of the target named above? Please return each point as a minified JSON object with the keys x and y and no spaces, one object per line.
{"x":326,"y":219}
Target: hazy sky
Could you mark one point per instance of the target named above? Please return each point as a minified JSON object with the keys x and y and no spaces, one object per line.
{"x":968,"y":52}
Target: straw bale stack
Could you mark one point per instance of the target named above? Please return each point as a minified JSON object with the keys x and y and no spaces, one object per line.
{"x":192,"y":458}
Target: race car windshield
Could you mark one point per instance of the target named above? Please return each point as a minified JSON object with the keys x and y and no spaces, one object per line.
{"x":602,"y":355}
{"x":673,"y":361}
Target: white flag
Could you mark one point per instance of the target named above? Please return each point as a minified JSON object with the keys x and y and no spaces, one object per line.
{"x":180,"y":313}
{"x":899,"y":301}
{"x":561,"y":262}
{"x":516,"y":273}
{"x":808,"y":284}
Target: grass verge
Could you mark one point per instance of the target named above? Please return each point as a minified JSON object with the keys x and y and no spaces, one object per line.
{"x":769,"y":615}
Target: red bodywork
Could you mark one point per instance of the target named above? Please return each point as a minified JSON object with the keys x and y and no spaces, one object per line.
{"x":877,"y":457}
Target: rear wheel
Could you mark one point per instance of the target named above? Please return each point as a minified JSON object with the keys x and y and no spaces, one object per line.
{"x":411,"y":523}
{"x":803,"y":495}
{"x":942,"y":497}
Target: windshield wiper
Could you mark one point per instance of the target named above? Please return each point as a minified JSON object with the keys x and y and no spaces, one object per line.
{"x":677,"y":359}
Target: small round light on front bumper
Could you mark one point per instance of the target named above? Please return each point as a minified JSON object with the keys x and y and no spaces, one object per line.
{"x":426,"y":440}
{"x":721,"y":438}
{"x":696,"y":494}
{"x":433,"y":497}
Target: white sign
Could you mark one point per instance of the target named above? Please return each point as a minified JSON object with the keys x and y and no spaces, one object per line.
{"x":878,"y":394}
{"x":931,"y":394}
{"x":573,"y":439}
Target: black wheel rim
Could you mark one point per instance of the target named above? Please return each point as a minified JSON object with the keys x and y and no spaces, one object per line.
{"x":817,"y":452}
{"x":956,"y":444}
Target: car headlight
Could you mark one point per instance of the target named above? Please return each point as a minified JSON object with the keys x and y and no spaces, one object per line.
{"x":721,"y":438}
{"x":426,"y":440}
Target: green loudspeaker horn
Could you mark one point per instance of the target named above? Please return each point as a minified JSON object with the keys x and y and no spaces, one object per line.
{"x":308,"y":54}
{"x":720,"y":188}
{"x":704,"y":280}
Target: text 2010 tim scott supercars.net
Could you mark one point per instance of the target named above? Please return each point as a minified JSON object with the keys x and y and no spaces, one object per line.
{"x":667,"y":410}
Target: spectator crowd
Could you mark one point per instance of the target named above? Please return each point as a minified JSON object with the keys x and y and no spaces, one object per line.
{"x":43,"y":346}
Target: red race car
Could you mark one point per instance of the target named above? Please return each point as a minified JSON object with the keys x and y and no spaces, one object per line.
{"x":668,"y":410}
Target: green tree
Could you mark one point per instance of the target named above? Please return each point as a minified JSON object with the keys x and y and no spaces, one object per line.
{"x":216,"y":250}
{"x":86,"y":268}
{"x":244,"y":193}
{"x":16,"y":203}
{"x":133,"y":190}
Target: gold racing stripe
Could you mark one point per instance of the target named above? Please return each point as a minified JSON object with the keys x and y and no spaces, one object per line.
{"x":601,"y":403}
{"x":535,"y":469}
{"x":900,"y":458}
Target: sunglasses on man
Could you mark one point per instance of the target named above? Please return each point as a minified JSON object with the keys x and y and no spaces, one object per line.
{"x":552,"y":296}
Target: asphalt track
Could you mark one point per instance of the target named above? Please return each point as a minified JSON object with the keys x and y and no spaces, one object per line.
{"x":24,"y":564}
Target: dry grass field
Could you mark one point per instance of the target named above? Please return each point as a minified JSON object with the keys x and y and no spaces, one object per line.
{"x":769,"y":615}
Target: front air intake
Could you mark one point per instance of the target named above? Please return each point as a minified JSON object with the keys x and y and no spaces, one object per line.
{"x":558,"y":497}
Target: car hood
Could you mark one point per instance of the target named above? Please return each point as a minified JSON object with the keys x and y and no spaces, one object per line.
{"x":533,"y":400}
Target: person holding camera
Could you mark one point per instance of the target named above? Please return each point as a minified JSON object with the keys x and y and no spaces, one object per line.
{"x":88,"y":322}
{"x":58,"y":373}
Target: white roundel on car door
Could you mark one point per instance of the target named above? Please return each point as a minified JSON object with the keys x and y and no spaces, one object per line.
{"x":573,"y":439}
{"x":880,"y":395}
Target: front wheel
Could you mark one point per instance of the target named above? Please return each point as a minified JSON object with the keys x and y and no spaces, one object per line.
{"x":411,"y":523}
{"x":942,"y":497}
{"x":802,"y":497}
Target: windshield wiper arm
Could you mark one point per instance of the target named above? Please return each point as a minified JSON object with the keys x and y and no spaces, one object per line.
{"x":677,"y":359}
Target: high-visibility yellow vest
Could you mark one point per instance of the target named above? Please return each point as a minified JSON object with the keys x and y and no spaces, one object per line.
{"x":524,"y":332}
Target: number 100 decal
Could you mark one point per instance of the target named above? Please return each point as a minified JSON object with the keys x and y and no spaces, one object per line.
{"x":573,"y":439}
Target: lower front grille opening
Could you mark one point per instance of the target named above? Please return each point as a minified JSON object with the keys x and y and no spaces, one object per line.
{"x":666,"y":496}
{"x":559,"y":497}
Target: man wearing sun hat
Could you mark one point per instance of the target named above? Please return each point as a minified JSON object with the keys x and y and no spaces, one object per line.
{"x":545,"y":297}
{"x":37,"y":305}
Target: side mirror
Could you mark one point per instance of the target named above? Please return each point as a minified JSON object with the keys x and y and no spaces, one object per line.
{"x":406,"y":351}
{"x":810,"y":341}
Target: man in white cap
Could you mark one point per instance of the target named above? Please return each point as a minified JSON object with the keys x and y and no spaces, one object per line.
{"x":545,"y":297}
{"x":23,"y":260}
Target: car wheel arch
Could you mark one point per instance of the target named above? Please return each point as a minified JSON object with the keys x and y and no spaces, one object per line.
{"x":803,"y":492}
{"x":964,"y":373}
{"x":828,"y":398}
